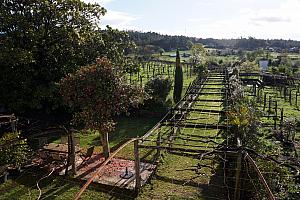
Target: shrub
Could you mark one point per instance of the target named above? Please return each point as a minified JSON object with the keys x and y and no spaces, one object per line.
{"x":158,"y":88}
{"x":13,"y":150}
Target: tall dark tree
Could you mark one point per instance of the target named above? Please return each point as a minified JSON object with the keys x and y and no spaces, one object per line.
{"x":178,"y":82}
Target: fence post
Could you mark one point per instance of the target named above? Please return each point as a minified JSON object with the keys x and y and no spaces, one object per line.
{"x":297,"y":99}
{"x":72,"y":159}
{"x":281,"y":117}
{"x":265,"y":99}
{"x":237,"y":190}
{"x":158,"y":142}
{"x":137,"y":166}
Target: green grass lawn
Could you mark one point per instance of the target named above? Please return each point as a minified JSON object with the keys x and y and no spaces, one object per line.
{"x":24,"y":187}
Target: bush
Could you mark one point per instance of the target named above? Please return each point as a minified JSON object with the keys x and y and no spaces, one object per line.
{"x":158,"y":88}
{"x":13,"y":150}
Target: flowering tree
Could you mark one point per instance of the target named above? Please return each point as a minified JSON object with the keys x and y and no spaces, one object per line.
{"x":96,"y":93}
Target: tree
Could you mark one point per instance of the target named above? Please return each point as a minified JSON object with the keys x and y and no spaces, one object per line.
{"x":43,"y":40}
{"x":161,"y":51}
{"x":96,"y":93}
{"x":178,"y":82}
{"x":158,"y":88}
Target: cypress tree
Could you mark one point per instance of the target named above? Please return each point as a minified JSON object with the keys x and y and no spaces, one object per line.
{"x":178,"y":82}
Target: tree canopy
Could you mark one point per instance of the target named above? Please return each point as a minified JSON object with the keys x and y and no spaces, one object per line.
{"x":43,"y":40}
{"x":96,"y":93}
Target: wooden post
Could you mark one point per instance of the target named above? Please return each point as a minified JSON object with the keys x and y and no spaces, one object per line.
{"x":254,"y":89}
{"x":269,"y":107}
{"x":276,"y":104}
{"x":105,"y":145}
{"x":72,"y":159}
{"x":281,"y":117}
{"x":69,"y":153}
{"x":158,"y":142}
{"x":137,"y":166}
{"x":265,"y":99}
{"x":284,"y":92}
{"x":297,"y":99}
{"x":290,"y":97}
{"x":237,"y":191}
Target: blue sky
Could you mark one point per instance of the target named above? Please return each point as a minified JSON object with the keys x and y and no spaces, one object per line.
{"x":206,"y":18}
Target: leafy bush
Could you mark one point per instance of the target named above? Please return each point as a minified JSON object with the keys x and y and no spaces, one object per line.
{"x":13,"y":150}
{"x":158,"y":88}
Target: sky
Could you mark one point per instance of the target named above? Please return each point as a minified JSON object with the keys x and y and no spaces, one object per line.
{"x":264,"y":19}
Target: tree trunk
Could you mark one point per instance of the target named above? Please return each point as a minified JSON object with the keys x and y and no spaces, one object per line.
{"x":105,"y":145}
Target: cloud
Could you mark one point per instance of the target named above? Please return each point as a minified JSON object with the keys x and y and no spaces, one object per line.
{"x":270,"y":19}
{"x":120,"y":20}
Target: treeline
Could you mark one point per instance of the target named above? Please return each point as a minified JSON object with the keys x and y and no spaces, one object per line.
{"x":168,"y":42}
{"x":165,"y":42}
{"x":250,"y":43}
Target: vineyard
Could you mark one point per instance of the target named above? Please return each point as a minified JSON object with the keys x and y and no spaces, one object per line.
{"x":197,"y":155}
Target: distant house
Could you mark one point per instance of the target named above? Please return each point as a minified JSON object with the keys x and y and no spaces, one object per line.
{"x":263,"y":64}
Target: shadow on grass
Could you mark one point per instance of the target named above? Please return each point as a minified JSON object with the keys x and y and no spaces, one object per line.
{"x":215,"y":189}
{"x":24,"y":187}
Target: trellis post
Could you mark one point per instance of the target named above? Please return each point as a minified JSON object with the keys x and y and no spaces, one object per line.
{"x":237,"y":191}
{"x":265,"y":99}
{"x":137,"y":165}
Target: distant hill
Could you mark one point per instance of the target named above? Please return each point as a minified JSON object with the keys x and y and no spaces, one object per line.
{"x":168,"y":42}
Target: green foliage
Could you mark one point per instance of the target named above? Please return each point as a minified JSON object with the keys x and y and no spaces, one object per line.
{"x":13,"y":150}
{"x":244,"y":119}
{"x":198,"y":54}
{"x":249,"y":67}
{"x":161,"y":51}
{"x":158,"y":88}
{"x":96,"y":93}
{"x":42,"y":41}
{"x":178,"y":82}
{"x":166,"y":42}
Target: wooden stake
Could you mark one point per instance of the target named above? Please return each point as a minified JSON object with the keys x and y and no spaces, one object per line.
{"x":72,"y":159}
{"x":137,"y":166}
